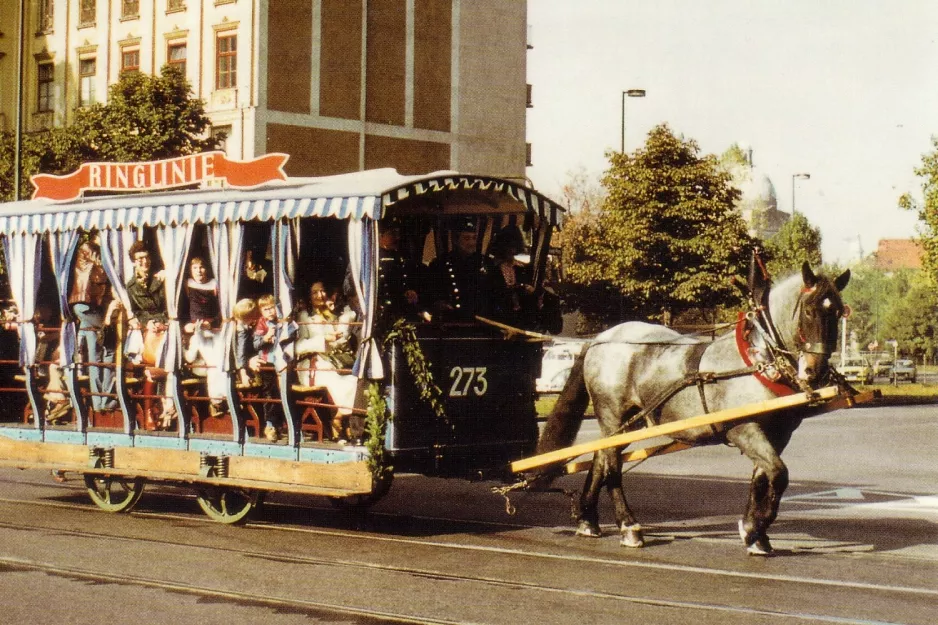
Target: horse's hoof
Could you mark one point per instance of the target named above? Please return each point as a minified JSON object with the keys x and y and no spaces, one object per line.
{"x":632,"y":536}
{"x":590,"y":530}
{"x":756,"y":545}
{"x":762,"y":547}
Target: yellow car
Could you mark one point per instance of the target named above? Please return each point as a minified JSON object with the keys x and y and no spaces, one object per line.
{"x":856,"y":370}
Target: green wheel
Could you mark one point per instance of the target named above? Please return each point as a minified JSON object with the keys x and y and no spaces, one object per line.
{"x":229,"y":506}
{"x":114,"y":493}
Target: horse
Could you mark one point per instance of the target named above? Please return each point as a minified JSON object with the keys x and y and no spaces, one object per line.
{"x":638,"y":372}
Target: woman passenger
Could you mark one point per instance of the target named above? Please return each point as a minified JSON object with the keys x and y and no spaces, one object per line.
{"x":325,"y":354}
{"x":204,"y":341}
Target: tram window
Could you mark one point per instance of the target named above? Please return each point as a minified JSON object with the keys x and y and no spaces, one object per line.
{"x":323,"y":254}
{"x":257,"y":275}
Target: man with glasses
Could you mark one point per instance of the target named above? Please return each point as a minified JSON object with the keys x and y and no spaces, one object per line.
{"x":148,"y":315}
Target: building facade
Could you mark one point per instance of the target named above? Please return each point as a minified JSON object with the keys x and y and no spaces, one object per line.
{"x":340,"y":85}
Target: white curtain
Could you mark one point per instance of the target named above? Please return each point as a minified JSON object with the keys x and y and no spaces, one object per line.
{"x":225,"y":249}
{"x":22,"y":252}
{"x":118,"y":268}
{"x":363,"y":260}
{"x":285,"y":245}
{"x":174,"y":244}
{"x":62,"y":246}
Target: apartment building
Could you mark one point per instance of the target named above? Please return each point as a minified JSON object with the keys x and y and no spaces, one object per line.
{"x":340,"y":85}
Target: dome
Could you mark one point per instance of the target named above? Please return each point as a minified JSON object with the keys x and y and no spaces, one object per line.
{"x":757,"y":189}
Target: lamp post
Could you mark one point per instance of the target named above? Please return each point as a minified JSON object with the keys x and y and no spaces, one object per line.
{"x":801,"y":176}
{"x":631,"y":93}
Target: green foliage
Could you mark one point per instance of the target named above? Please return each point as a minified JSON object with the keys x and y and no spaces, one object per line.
{"x":797,"y":241}
{"x":927,"y":210}
{"x":910,"y":320}
{"x":899,"y":305}
{"x":376,"y":426}
{"x":146,"y":118}
{"x":667,"y":239}
{"x":406,"y":334}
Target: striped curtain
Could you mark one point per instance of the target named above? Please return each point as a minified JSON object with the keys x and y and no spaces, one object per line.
{"x":22,"y":251}
{"x":363,"y":262}
{"x":62,"y":246}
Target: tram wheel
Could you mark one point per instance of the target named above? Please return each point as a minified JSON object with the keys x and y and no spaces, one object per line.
{"x":358,"y":503}
{"x":114,"y":493}
{"x":229,"y":505}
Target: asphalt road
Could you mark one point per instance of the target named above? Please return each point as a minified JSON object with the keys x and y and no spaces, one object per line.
{"x":857,"y":542}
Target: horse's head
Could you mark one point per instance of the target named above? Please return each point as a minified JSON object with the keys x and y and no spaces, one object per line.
{"x":818,"y":312}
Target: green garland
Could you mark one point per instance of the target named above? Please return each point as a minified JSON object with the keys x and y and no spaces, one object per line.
{"x":376,"y":421}
{"x":376,"y":426}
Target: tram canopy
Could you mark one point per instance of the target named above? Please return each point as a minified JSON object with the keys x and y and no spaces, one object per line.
{"x":355,"y":196}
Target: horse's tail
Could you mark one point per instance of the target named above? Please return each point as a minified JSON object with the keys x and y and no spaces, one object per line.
{"x":566,"y":417}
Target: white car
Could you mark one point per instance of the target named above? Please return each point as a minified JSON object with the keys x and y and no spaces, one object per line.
{"x":555,"y":367}
{"x":905,"y":369}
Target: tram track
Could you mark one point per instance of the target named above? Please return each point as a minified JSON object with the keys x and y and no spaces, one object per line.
{"x":545,"y":557}
{"x":479,"y":548}
{"x":385,"y":616}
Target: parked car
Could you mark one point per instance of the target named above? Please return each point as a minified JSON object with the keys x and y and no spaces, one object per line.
{"x":555,"y":366}
{"x":905,"y":369}
{"x":883,"y":367}
{"x":856,"y":370}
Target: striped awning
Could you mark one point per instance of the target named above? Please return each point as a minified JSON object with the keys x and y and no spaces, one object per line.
{"x":349,"y":196}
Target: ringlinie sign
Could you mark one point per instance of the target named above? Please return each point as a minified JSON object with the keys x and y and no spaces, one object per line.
{"x":165,"y":174}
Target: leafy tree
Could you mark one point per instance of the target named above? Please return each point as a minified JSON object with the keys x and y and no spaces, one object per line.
{"x":145,"y":118}
{"x":796,"y":242}
{"x":911,"y":321}
{"x":927,"y":209}
{"x":667,"y":239}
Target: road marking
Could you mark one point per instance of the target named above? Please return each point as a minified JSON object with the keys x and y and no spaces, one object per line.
{"x":840,"y":494}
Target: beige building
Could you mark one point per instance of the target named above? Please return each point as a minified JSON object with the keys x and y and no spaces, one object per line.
{"x":340,"y":85}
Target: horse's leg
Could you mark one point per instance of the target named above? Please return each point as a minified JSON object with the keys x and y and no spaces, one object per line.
{"x":629,"y":528}
{"x":588,"y":509}
{"x":768,"y":483}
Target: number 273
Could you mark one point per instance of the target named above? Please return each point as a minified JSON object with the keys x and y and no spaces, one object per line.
{"x":466,"y":379}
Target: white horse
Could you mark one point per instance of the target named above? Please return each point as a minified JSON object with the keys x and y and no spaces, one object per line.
{"x":638,"y":370}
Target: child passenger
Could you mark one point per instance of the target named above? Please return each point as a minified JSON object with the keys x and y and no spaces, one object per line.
{"x":254,"y":365}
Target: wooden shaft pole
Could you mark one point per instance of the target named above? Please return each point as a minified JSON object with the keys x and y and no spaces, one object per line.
{"x":666,"y":429}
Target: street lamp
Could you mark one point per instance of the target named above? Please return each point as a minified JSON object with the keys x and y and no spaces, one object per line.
{"x":793,"y":177}
{"x":632,"y":93}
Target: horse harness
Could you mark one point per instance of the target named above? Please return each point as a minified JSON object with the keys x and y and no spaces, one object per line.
{"x":762,"y":351}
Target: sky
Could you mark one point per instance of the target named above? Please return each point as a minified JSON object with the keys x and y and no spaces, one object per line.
{"x":844,"y":90}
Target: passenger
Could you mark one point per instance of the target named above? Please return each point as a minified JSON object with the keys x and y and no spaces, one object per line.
{"x":246,"y":314}
{"x":147,"y":302}
{"x":266,"y":331}
{"x":460,"y":276}
{"x":204,"y":342}
{"x":397,"y":277}
{"x":513,"y":298}
{"x":325,"y":354}
{"x":511,"y":295}
{"x":148,"y":316}
{"x":58,"y":406}
{"x":89,"y":297}
{"x":257,"y":277}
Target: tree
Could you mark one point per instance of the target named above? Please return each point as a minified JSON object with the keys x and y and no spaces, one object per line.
{"x":927,"y":209}
{"x":667,"y":239}
{"x":911,"y":321}
{"x":145,"y":118}
{"x":796,"y":242}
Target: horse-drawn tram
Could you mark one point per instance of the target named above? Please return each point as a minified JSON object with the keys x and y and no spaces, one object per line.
{"x":315,"y":335}
{"x":252,"y":333}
